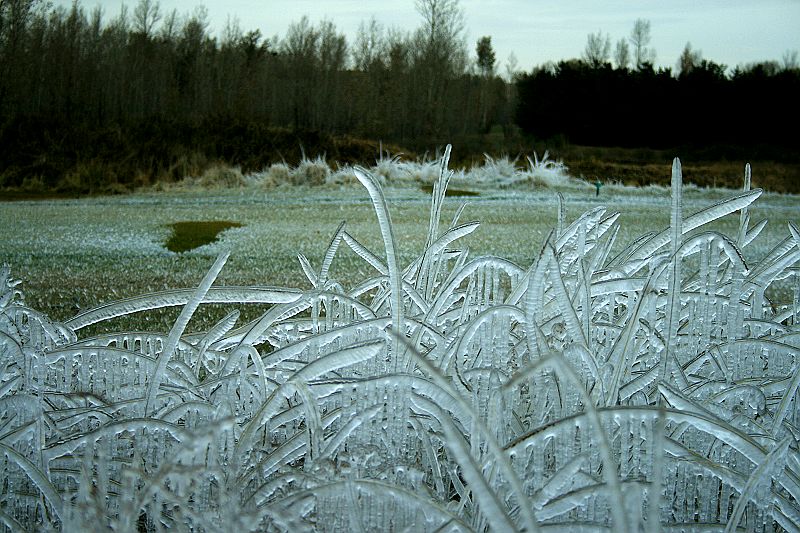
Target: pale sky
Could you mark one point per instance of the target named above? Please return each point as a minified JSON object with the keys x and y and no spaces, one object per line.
{"x":732,"y":32}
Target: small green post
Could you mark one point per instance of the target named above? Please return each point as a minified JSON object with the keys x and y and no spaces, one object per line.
{"x":597,"y":185}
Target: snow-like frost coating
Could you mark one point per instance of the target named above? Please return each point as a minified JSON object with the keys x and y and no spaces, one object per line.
{"x":652,"y":389}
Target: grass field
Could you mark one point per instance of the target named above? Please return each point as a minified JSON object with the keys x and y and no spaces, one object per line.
{"x":75,"y":253}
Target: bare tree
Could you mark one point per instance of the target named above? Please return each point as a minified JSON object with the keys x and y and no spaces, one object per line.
{"x":622,"y":54}
{"x":688,"y":60}
{"x":511,"y":67}
{"x":789,"y":60}
{"x":442,"y":34}
{"x":145,"y":16}
{"x":369,"y":44}
{"x":640,"y":39}
{"x":598,"y":49}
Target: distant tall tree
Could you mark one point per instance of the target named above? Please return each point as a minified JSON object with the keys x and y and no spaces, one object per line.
{"x":145,"y":16}
{"x":688,"y":60}
{"x":789,"y":60}
{"x":486,"y":57}
{"x":597,"y":51}
{"x":486,"y":60}
{"x":511,"y":67}
{"x":622,"y":54}
{"x":439,"y":56}
{"x":640,"y":39}
{"x":369,"y":44}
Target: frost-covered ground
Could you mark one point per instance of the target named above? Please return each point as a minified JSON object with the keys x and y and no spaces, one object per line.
{"x":74,"y":254}
{"x":551,"y":369}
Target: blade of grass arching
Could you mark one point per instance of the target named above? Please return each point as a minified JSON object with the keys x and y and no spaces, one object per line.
{"x":561,"y":213}
{"x":175,"y":297}
{"x":313,"y":423}
{"x":220,"y":328}
{"x":424,"y":262}
{"x":563,"y":477}
{"x":331,"y":252}
{"x":754,"y":232}
{"x":496,"y":451}
{"x":486,"y":496}
{"x":327,"y":363}
{"x":795,"y":233}
{"x":702,"y":217}
{"x":385,"y":222}
{"x":308,"y":270}
{"x":179,"y":327}
{"x":457,"y":215}
{"x":333,"y":443}
{"x":610,"y":476}
{"x":213,"y":335}
{"x":765,"y":273}
{"x":38,"y":478}
{"x":365,"y":254}
{"x":562,"y":299}
{"x":762,"y":474}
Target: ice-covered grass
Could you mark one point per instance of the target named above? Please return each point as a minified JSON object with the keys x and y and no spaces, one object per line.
{"x":594,"y":375}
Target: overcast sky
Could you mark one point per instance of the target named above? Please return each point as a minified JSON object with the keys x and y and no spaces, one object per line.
{"x":731,"y":32}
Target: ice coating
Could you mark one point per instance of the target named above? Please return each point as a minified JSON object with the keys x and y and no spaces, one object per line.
{"x":656,"y":389}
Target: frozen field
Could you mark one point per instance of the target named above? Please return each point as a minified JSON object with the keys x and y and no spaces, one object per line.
{"x":75,"y":254}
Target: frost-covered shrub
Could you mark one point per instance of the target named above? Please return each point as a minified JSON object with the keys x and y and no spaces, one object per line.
{"x":652,"y":390}
{"x":277,"y":174}
{"x":311,"y":172}
{"x":546,"y":172}
{"x":221,"y":176}
{"x":501,"y":170}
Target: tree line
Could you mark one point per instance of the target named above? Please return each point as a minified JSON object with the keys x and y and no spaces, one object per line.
{"x":147,"y":64}
{"x":148,"y":94}
{"x":622,"y":100}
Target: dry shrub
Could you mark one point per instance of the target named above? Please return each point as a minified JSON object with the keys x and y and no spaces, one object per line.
{"x":221,"y":176}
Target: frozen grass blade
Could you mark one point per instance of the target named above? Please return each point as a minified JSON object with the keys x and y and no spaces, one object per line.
{"x":37,"y":477}
{"x":172,"y":298}
{"x":494,"y":511}
{"x":179,"y":327}
{"x":384,"y":221}
{"x":760,"y":476}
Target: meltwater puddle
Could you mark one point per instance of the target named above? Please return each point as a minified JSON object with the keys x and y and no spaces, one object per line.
{"x":193,"y":234}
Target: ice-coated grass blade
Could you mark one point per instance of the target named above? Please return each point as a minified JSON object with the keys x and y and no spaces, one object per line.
{"x":384,"y":221}
{"x":37,"y":477}
{"x":171,"y":298}
{"x":179,"y":327}
{"x":761,"y":475}
{"x":485,"y":495}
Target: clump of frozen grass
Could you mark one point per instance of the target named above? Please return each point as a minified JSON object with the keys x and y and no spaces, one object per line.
{"x":546,"y":171}
{"x":221,"y":176}
{"x":500,"y":170}
{"x":655,"y":389}
{"x":312,"y":172}
{"x":277,"y":174}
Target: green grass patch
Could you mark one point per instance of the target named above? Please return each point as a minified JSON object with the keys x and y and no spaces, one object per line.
{"x":190,"y":235}
{"x":450,"y":191}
